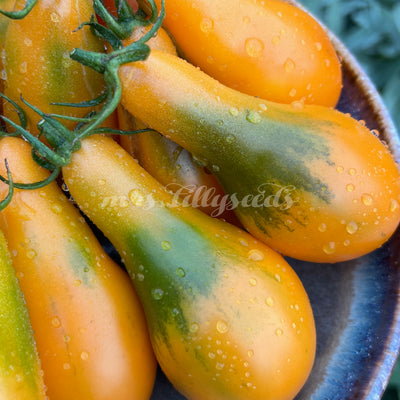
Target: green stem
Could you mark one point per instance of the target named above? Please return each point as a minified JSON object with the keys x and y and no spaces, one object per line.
{"x":21,"y":13}
{"x":27,"y":186}
{"x":6,"y":201}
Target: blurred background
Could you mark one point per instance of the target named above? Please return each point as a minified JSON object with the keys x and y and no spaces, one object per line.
{"x":371,"y":31}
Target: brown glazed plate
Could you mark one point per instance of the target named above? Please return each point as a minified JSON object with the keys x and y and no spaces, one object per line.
{"x":356,"y":303}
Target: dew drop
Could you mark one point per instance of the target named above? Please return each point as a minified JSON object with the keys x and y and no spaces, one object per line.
{"x":340,"y":169}
{"x":77,"y":282}
{"x":269,"y":301}
{"x":276,"y":40}
{"x":136,"y":197}
{"x":101,"y":182}
{"x":318,"y":46}
{"x":55,"y":17}
{"x":253,"y":117}
{"x":140,"y":277}
{"x":366,"y":199}
{"x":234,"y":111}
{"x":194,"y":327}
{"x":322,"y":227}
{"x":166,"y":245}
{"x":255,"y":255}
{"x":56,"y":322}
{"x":84,"y":355}
{"x":206,"y":25}
{"x":277,"y":277}
{"x":28,"y":42}
{"x":279,"y":332}
{"x":254,"y":47}
{"x":174,"y":312}
{"x":293,"y":92}
{"x":181,"y":272}
{"x":329,"y":248}
{"x":352,"y":171}
{"x":157,"y":293}
{"x":250,"y":353}
{"x":31,"y":254}
{"x":230,"y":139}
{"x":253,"y":282}
{"x":66,"y":366}
{"x":289,"y":65}
{"x":351,"y":227}
{"x":23,"y":67}
{"x":56,"y":208}
{"x":222,"y":327}
{"x":394,"y":205}
{"x":346,"y":242}
{"x":297,"y":104}
{"x":219,"y":366}
{"x":211,"y":355}
{"x":350,"y":187}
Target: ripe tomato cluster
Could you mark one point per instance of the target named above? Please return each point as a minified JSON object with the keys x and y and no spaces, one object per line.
{"x":205,"y":150}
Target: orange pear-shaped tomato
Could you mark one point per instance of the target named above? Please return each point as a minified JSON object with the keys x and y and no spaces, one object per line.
{"x":88,"y":324}
{"x":228,"y":317}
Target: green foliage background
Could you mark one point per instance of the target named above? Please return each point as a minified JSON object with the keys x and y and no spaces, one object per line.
{"x":371,"y":31}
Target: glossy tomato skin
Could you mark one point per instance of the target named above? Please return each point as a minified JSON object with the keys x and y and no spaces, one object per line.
{"x":168,"y":162}
{"x":269,"y":49}
{"x":21,"y":375}
{"x":228,"y":317}
{"x":309,"y":181}
{"x":37,"y":63}
{"x":89,"y":326}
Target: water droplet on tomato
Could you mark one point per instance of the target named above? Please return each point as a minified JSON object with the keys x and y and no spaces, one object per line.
{"x":31,"y":254}
{"x":23,"y":67}
{"x":234,"y":111}
{"x":206,"y":25}
{"x":329,"y":248}
{"x":254,"y":47}
{"x":253,"y":282}
{"x":136,"y":197}
{"x":194,"y":327}
{"x":350,"y":187}
{"x":157,"y":293}
{"x":293,"y":92}
{"x":279,"y":332}
{"x":351,"y":227}
{"x":322,"y":227}
{"x":55,"y":17}
{"x":275,"y":40}
{"x":66,"y":366}
{"x":289,"y":65}
{"x":84,"y":355}
{"x":255,"y":255}
{"x":166,"y":245}
{"x":55,"y":321}
{"x":254,"y":117}
{"x":318,"y":46}
{"x":222,"y":327}
{"x":181,"y":272}
{"x":269,"y":301}
{"x":394,"y":205}
{"x":366,"y":199}
{"x":219,"y":366}
{"x":56,"y":208}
